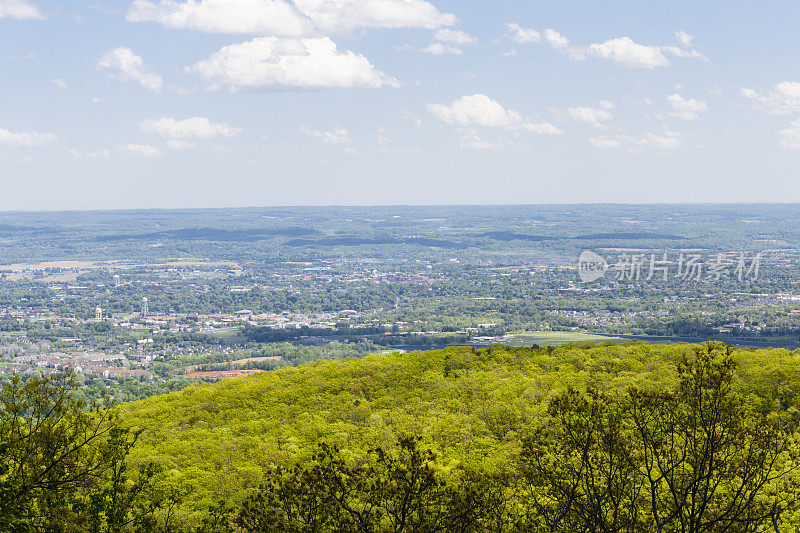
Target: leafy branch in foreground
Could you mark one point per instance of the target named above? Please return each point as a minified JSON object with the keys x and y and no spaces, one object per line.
{"x":63,"y":463}
{"x":695,"y":459}
{"x":400,"y":490}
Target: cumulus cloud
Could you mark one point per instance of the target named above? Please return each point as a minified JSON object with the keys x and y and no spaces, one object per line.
{"x":273,"y":63}
{"x":267,"y":17}
{"x":438,"y":49}
{"x":622,"y":50}
{"x":481,"y":111}
{"x":144,"y":150}
{"x":336,"y":136}
{"x":449,"y":43}
{"x":447,"y":35}
{"x":61,"y":84}
{"x":123,"y":64}
{"x":628,"y":53}
{"x":19,"y":9}
{"x":680,"y":52}
{"x":556,"y":40}
{"x":666,"y":141}
{"x":686,"y":108}
{"x":521,"y":35}
{"x":181,"y":134}
{"x":782,"y":99}
{"x":790,"y":137}
{"x":344,"y":16}
{"x":589,"y":115}
{"x":281,"y":18}
{"x":26,"y":139}
{"x":684,"y":38}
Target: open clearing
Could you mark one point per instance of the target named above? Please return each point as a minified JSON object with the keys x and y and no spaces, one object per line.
{"x":543,"y":338}
{"x":223,"y":374}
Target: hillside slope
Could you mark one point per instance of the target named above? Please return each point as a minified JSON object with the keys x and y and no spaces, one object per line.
{"x":471,"y":405}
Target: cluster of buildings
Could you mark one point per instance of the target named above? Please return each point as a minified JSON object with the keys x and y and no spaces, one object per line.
{"x":103,"y":365}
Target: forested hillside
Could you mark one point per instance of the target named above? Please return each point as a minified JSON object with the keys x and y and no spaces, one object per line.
{"x":472,"y":407}
{"x":595,"y":437}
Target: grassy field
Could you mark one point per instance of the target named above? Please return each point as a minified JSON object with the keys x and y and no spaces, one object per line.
{"x":228,"y":334}
{"x":543,"y":338}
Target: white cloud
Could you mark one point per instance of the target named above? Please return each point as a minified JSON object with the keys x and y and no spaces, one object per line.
{"x":438,"y":49}
{"x":25,"y":139}
{"x":555,"y":39}
{"x":449,"y":43}
{"x":781,"y":99}
{"x":274,"y":63}
{"x":144,"y":150}
{"x":280,"y":18}
{"x":605,"y":104}
{"x":790,"y":137}
{"x":19,"y":9}
{"x":626,"y":52}
{"x":336,"y":136}
{"x":480,"y":110}
{"x":181,"y":134}
{"x":667,"y":141}
{"x":680,"y":52}
{"x":605,"y":143}
{"x":622,"y":50}
{"x":344,"y":16}
{"x":686,"y":108}
{"x":124,"y":65}
{"x":61,"y":84}
{"x":447,"y":35}
{"x":262,"y":17}
{"x":684,"y":38}
{"x":521,"y":35}
{"x":590,"y":115}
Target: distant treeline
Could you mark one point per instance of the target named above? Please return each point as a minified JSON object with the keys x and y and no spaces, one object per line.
{"x":213,"y":234}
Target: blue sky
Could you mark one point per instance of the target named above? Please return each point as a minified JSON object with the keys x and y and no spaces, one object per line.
{"x":215,"y":103}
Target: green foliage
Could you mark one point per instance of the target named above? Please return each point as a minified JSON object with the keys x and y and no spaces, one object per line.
{"x":52,"y":446}
{"x":64,"y":463}
{"x":589,"y":437}
{"x":396,"y":490}
{"x":472,"y":407}
{"x":695,"y":458}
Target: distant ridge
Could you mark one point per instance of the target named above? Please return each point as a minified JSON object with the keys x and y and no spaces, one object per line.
{"x":212,"y":234}
{"x":511,"y":236}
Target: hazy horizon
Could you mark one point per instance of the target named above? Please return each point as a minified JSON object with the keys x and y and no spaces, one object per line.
{"x":399,"y":206}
